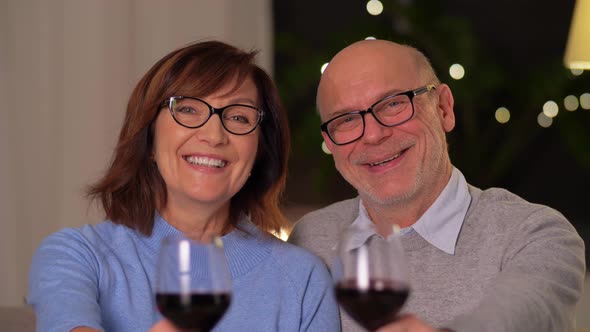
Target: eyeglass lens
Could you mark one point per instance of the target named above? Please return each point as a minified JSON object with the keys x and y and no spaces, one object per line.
{"x":389,"y":112}
{"x":238,"y":119}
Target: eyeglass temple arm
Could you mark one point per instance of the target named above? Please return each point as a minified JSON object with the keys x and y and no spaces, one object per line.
{"x":424,"y":89}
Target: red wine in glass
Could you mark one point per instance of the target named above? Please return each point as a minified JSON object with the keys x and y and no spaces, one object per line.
{"x":198,"y":312}
{"x":193,"y":287}
{"x":370,"y":277}
{"x":375,"y":306}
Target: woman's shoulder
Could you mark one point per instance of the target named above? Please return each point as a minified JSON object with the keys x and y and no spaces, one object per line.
{"x":88,"y":239}
{"x":296,"y":259}
{"x":89,"y":232}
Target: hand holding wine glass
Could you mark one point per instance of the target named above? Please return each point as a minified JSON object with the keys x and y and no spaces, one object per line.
{"x":193,"y":287}
{"x":371,"y":281}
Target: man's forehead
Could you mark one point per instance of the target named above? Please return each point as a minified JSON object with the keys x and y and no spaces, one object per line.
{"x":338,"y":97}
{"x":362,"y":88}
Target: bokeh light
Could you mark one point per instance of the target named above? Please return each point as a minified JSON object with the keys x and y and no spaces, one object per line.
{"x":374,"y":7}
{"x":370,"y":38}
{"x":585,"y":101}
{"x":570,"y":103}
{"x":544,"y":121}
{"x":282,"y":234}
{"x":324,"y":66}
{"x":577,"y":72}
{"x":550,"y":109}
{"x":457,"y":71}
{"x":502,"y":115}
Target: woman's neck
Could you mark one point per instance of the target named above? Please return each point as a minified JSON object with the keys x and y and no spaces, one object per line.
{"x":197,"y":221}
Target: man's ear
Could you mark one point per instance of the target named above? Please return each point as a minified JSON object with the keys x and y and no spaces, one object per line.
{"x":327,"y":143}
{"x":445,"y":110}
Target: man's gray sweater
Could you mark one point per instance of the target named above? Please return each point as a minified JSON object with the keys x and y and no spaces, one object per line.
{"x":517,"y":266}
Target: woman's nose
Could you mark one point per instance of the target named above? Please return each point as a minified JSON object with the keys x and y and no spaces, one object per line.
{"x":212,"y":131}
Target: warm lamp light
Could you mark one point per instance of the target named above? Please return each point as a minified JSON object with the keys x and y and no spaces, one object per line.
{"x":577,"y":51}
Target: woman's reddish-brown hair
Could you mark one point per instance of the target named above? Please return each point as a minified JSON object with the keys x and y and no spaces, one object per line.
{"x":132,"y":189}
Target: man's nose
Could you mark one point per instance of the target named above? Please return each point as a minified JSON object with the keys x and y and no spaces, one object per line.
{"x":375,"y":132}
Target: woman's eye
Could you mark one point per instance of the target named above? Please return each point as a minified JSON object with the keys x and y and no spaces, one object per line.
{"x":186,"y":110}
{"x":238,"y":118}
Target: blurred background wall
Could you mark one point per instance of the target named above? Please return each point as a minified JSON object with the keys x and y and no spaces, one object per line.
{"x":67,"y":68}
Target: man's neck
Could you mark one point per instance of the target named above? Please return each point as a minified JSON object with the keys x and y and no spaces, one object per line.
{"x":404,"y":212}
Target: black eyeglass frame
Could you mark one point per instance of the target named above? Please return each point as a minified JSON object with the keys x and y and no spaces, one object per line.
{"x":411,"y":94}
{"x":212,"y":110}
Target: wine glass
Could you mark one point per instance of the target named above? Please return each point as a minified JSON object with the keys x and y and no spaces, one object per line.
{"x":193,"y":287}
{"x":371,"y":281}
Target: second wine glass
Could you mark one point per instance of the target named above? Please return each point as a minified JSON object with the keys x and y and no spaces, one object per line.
{"x":370,"y":275}
{"x":193,"y":287}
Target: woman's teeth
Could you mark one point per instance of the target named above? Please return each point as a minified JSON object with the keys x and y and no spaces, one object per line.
{"x":204,"y":161}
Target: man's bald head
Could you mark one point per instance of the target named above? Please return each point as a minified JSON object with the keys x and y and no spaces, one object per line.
{"x":366,"y":57}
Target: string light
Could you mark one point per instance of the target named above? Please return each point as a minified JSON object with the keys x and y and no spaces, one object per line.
{"x":544,"y":121}
{"x":585,"y":101}
{"x":502,"y":115}
{"x":374,"y":7}
{"x":550,"y":109}
{"x":457,"y":71}
{"x":571,"y":103}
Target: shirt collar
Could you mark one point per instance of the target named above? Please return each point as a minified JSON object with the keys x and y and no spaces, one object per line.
{"x":439,"y":225}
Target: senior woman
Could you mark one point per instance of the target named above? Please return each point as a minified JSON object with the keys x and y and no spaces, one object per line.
{"x":187,"y":162}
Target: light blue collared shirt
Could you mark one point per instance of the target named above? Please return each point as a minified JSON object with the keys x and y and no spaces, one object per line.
{"x":439,"y":225}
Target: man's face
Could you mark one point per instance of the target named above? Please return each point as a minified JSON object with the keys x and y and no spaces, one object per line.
{"x":386,"y":165}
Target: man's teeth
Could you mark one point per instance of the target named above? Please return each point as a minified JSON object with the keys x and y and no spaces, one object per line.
{"x":386,"y":160}
{"x":204,"y":161}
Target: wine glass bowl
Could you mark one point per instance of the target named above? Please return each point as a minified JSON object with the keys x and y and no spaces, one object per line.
{"x":193,"y":287}
{"x":370,"y":275}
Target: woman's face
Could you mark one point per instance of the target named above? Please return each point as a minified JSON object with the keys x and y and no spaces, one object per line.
{"x":206,"y":165}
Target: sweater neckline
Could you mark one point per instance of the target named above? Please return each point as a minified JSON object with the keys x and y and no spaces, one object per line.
{"x":245,"y":247}
{"x":413,"y":241}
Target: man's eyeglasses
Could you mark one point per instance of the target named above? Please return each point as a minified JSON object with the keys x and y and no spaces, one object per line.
{"x":189,"y":112}
{"x":389,"y":112}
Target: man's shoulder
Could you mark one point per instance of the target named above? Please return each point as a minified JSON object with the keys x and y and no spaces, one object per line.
{"x":332,"y":215}
{"x":318,"y":231}
{"x":510,"y":211}
{"x":504,"y":200}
